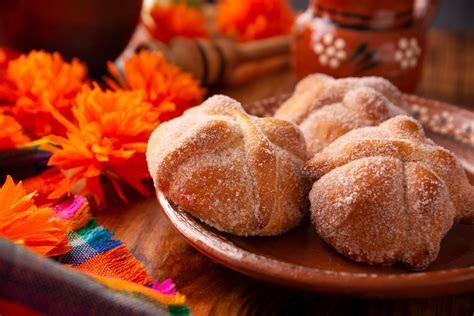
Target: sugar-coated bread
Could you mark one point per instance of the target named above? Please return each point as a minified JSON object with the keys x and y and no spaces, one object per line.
{"x":326,"y":108}
{"x":388,"y":194}
{"x":238,"y":173}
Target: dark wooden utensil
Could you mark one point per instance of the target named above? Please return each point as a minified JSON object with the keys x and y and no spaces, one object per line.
{"x":223,"y":60}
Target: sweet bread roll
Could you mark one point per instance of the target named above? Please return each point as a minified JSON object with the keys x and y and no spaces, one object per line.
{"x":238,"y":173}
{"x":388,"y":194}
{"x":326,"y":108}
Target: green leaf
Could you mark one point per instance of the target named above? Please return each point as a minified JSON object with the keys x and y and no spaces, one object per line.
{"x":359,"y":50}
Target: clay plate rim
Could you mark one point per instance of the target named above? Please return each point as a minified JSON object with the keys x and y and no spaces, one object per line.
{"x":402,"y":285}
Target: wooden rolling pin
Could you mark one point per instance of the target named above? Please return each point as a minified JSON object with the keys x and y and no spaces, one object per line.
{"x":223,"y":60}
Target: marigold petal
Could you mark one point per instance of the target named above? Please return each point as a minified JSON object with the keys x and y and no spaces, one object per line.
{"x":11,"y":133}
{"x":253,"y":19}
{"x":111,"y":131}
{"x":176,"y":19}
{"x":170,"y":90}
{"x":26,"y":224}
{"x":31,"y":82}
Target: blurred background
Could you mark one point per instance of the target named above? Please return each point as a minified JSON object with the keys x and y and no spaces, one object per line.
{"x":81,"y":29}
{"x":453,"y":15}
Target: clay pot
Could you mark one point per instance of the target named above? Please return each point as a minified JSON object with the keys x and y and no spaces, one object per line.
{"x":92,"y":30}
{"x":363,"y":38}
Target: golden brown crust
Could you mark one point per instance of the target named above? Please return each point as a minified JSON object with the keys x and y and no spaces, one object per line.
{"x":388,"y":194}
{"x":238,"y":173}
{"x":326,"y":108}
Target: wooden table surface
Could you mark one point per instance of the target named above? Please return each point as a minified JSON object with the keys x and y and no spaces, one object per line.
{"x":212,"y":289}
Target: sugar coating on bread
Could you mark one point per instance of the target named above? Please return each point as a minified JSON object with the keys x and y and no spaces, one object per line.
{"x":388,"y":194}
{"x":238,"y":173}
{"x":326,"y":108}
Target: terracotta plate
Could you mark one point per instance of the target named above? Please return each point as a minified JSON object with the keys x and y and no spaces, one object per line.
{"x":301,"y":259}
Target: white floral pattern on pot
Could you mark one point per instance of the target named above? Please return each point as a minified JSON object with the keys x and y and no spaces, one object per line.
{"x":303,"y":19}
{"x":330,"y":50}
{"x":442,"y":122}
{"x":421,"y":113}
{"x":465,"y":132}
{"x":407,"y":53}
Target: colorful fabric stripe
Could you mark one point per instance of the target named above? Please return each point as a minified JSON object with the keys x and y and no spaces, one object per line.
{"x":107,"y":260}
{"x":74,"y":211}
{"x":87,"y":243}
{"x":32,"y":283}
{"x":67,"y":209}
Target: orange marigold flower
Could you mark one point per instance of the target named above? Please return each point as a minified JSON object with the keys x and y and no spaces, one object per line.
{"x":168,"y":88}
{"x":253,"y":19}
{"x":179,"y":19}
{"x":108,"y":138}
{"x":32,"y":81}
{"x":11,"y":133}
{"x":47,"y":186}
{"x":7,"y":54}
{"x":26,"y":224}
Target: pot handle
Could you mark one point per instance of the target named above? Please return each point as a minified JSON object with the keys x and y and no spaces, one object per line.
{"x":425,"y":11}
